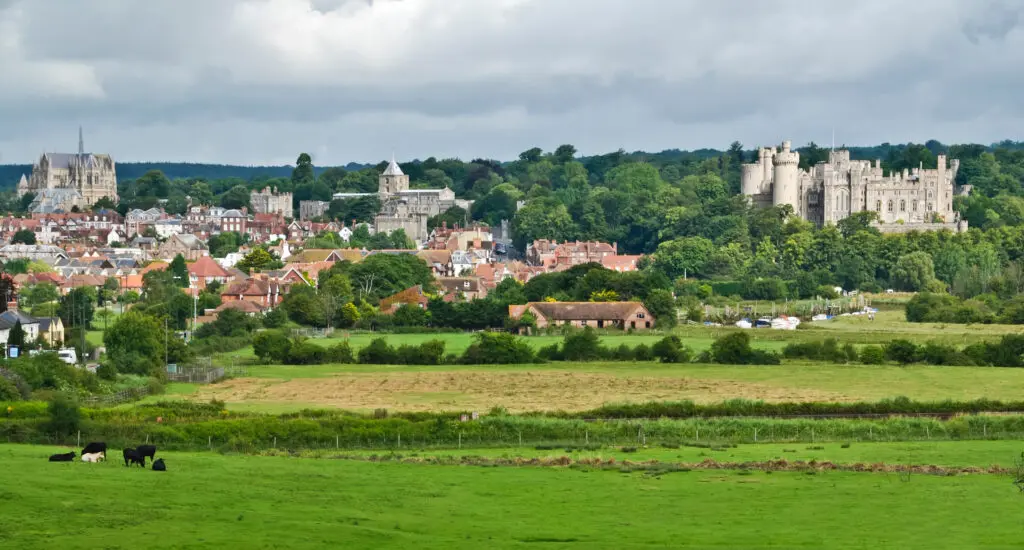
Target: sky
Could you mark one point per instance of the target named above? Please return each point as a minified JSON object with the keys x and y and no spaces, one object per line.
{"x":259,"y":81}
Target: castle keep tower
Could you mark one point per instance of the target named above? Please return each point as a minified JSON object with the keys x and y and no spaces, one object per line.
{"x":393,"y":181}
{"x":785,"y":184}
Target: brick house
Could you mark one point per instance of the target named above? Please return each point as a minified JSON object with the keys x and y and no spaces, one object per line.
{"x":623,"y":315}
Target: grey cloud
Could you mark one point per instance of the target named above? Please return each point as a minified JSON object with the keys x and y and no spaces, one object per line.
{"x":258,"y":80}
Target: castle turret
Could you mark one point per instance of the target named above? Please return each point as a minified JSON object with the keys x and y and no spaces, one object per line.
{"x":750,"y":179}
{"x":785,"y":184}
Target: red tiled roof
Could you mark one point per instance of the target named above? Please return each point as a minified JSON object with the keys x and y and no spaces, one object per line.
{"x":206,"y":267}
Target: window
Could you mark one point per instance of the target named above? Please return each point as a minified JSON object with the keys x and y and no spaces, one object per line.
{"x":913,"y":206}
{"x":903,"y":206}
{"x":929,"y":207}
{"x":890,"y":206}
{"x":878,"y":206}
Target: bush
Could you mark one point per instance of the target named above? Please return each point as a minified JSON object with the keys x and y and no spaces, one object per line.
{"x":498,"y":348}
{"x":65,"y":417}
{"x":306,"y":353}
{"x":378,"y":352}
{"x":670,"y":349}
{"x":550,"y":353}
{"x":583,"y":345}
{"x":623,"y":353}
{"x":734,"y":349}
{"x":107,"y":371}
{"x":339,"y":353}
{"x":427,"y":353}
{"x":272,"y":346}
{"x":872,"y":355}
{"x":642,"y":352}
{"x":903,"y":352}
{"x":9,"y":390}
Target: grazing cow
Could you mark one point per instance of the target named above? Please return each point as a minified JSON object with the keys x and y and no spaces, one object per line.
{"x":66,"y":457}
{"x":146,"y":450}
{"x":132,"y":457}
{"x":95,"y":447}
{"x":94,"y":457}
{"x":158,"y":465}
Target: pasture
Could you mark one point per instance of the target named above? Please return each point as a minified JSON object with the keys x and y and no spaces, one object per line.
{"x":207,"y":500}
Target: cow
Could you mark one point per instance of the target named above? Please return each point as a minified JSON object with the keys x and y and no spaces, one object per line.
{"x":94,"y":457}
{"x":132,"y":457}
{"x":95,"y":447}
{"x":158,"y":465}
{"x":65,"y":457}
{"x":146,"y":450}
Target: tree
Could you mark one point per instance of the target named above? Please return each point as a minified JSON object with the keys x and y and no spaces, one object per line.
{"x":913,"y":271}
{"x":237,"y":197}
{"x":662,"y":306}
{"x":77,"y":307}
{"x":271,"y":346}
{"x":40,"y":293}
{"x":24,"y":236}
{"x":135,"y":344}
{"x":303,"y":172}
{"x":686,"y":256}
{"x":17,"y":336}
{"x":258,"y":259}
{"x":179,"y":271}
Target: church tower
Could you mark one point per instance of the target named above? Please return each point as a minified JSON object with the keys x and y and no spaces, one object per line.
{"x":393,"y":181}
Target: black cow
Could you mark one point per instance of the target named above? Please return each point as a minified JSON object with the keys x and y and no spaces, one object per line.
{"x":146,"y":450}
{"x":66,"y":457}
{"x":158,"y":465}
{"x":95,"y":447}
{"x":131,"y":456}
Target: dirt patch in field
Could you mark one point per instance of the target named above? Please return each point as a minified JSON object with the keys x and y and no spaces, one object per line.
{"x":516,"y":391}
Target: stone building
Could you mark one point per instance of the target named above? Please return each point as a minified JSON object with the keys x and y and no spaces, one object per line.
{"x":312,"y":209}
{"x":918,"y":199}
{"x":269,"y":202}
{"x":62,"y":181}
{"x":404,"y":208}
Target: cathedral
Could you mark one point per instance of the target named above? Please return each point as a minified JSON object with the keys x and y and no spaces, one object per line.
{"x":61,"y":181}
{"x":917,"y":199}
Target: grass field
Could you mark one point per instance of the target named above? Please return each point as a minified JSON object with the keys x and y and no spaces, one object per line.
{"x":215,"y":501}
{"x":568,"y":386}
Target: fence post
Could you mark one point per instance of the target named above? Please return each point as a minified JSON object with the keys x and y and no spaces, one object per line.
{"x":755,"y":435}
{"x":460,"y":440}
{"x":147,"y":439}
{"x":520,"y":438}
{"x":209,"y":441}
{"x":399,"y":440}
{"x":698,"y":434}
{"x":812,"y":435}
{"x":337,"y":441}
{"x":586,"y":436}
{"x":275,"y":441}
{"x":80,"y":438}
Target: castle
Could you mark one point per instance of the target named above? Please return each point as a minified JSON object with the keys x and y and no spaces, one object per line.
{"x":404,"y":208}
{"x":918,"y":199}
{"x":62,"y":181}
{"x":268,"y":202}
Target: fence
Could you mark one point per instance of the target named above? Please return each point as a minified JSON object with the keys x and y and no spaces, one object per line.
{"x":196,"y":375}
{"x":123,"y":396}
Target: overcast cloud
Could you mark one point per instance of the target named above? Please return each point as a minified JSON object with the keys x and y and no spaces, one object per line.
{"x":258,"y":81}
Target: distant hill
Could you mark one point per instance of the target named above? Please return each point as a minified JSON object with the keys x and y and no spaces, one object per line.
{"x":11,"y":173}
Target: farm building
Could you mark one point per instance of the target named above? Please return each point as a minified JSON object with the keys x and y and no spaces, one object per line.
{"x":624,"y":315}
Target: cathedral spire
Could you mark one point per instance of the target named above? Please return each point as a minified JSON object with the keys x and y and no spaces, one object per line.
{"x":81,"y":142}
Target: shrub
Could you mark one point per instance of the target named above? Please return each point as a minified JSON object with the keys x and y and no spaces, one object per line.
{"x":306,"y":353}
{"x":272,"y":345}
{"x":670,"y":349}
{"x":642,"y":352}
{"x":623,"y":353}
{"x":498,"y":348}
{"x":107,"y":371}
{"x":378,"y":352}
{"x":583,"y":345}
{"x":903,"y":352}
{"x":934,"y":353}
{"x":339,"y":353}
{"x":550,"y":353}
{"x":65,"y":417}
{"x":8,"y":390}
{"x":872,"y":355}
{"x":427,"y":353}
{"x":734,"y":349}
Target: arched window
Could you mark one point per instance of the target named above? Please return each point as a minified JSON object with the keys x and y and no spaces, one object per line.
{"x":878,"y":206}
{"x":903,"y":206}
{"x":890,"y":205}
{"x":913,"y":206}
{"x":929,"y":207}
